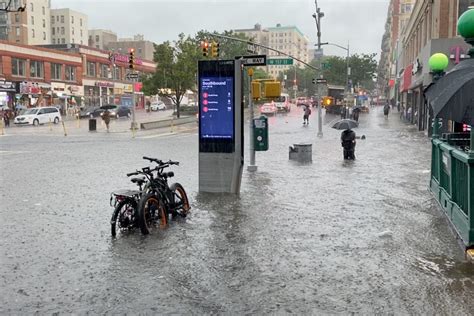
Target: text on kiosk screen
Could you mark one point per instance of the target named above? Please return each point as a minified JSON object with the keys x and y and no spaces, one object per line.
{"x":217,"y":107}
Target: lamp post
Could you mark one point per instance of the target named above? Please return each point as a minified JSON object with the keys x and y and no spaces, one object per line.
{"x":317,"y":18}
{"x":438,"y":63}
{"x":348,"y":71}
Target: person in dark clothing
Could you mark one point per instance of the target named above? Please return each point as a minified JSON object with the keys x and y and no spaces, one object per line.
{"x":106,"y":118}
{"x":386,"y":110}
{"x":355,"y":114}
{"x":348,"y":142}
{"x":6,"y":118}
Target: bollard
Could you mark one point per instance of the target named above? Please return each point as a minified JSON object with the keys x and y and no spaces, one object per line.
{"x":1,"y":124}
{"x":50,"y":126}
{"x":78,"y":122}
{"x":133,"y":131}
{"x":64,"y":128}
{"x":172,"y":124}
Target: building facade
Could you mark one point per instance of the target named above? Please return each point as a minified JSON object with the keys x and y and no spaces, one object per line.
{"x":143,"y":49}
{"x":68,"y":27}
{"x":288,"y":39}
{"x":67,"y":74}
{"x":101,"y":38}
{"x":430,"y":29}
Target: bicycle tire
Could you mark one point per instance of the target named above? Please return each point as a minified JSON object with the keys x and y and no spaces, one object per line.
{"x":180,"y":195}
{"x":115,"y":215}
{"x":146,"y":210}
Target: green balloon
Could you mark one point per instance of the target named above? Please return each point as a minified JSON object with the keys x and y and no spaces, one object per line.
{"x":438,"y":62}
{"x":466,"y":24}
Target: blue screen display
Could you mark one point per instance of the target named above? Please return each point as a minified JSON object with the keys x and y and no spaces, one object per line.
{"x":216,"y":107}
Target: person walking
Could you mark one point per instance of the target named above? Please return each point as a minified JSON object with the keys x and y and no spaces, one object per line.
{"x":307,"y":113}
{"x":6,"y":118}
{"x":106,"y":118}
{"x":386,"y":110}
{"x":348,"y":142}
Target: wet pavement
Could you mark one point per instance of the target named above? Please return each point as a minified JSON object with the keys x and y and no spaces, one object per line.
{"x":330,"y":237}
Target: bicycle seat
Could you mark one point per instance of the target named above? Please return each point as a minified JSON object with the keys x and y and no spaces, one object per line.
{"x":138,"y":181}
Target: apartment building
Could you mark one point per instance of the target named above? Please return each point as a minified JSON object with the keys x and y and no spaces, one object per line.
{"x":99,"y":38}
{"x":30,"y":27}
{"x":143,"y":49}
{"x":68,"y":27}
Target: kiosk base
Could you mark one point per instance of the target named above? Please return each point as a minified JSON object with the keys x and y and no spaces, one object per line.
{"x":220,"y":172}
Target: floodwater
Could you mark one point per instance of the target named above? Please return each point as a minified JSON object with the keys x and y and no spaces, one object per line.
{"x":361,"y":236}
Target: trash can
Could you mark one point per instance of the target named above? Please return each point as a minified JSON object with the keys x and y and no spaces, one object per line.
{"x":301,"y":152}
{"x":92,"y":125}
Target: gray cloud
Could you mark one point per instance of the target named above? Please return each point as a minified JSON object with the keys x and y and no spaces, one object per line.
{"x":361,"y":22}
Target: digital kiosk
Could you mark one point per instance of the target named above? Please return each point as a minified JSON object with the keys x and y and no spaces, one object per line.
{"x":221,"y":146}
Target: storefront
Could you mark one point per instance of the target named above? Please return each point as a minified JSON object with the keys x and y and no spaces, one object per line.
{"x":7,"y":93}
{"x":34,"y":93}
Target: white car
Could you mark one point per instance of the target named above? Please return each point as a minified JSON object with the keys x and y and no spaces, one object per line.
{"x":158,"y":106}
{"x":36,"y":116}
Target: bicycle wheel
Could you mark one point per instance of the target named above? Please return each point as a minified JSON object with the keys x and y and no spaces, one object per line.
{"x":124,"y":216}
{"x":180,"y":198}
{"x":150,"y":212}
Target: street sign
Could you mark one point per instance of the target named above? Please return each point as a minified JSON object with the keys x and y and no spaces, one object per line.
{"x":321,"y":81}
{"x":253,"y":60}
{"x":131,"y":76}
{"x":318,"y":53}
{"x":252,"y":49}
{"x":280,"y":61}
{"x":295,"y":88}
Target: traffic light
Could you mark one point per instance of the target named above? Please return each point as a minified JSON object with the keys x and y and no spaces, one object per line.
{"x":205,"y":48}
{"x":327,"y":101}
{"x":215,"y":49}
{"x":131,"y":59}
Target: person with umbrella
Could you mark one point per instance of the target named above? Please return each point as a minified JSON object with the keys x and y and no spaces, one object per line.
{"x":106,"y":118}
{"x":348,"y":142}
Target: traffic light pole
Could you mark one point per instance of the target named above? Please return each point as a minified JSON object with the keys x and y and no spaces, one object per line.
{"x":317,"y":17}
{"x":134,"y":122}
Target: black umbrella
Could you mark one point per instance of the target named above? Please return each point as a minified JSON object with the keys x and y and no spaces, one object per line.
{"x":345,"y":124}
{"x":452,"y":96}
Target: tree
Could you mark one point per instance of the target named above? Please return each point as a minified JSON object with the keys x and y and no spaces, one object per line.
{"x":175,"y":71}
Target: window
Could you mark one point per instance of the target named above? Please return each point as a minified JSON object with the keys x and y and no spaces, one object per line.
{"x":54,"y":41}
{"x":18,"y":67}
{"x":17,"y":31}
{"x":72,"y":31}
{"x":36,"y":69}
{"x":53,"y":31}
{"x":104,"y":71}
{"x":80,"y":22}
{"x":116,"y":73}
{"x":62,"y":30}
{"x":44,"y":11}
{"x":31,"y":7}
{"x":63,"y":41}
{"x":57,"y":30}
{"x":44,"y":35}
{"x":91,"y":69}
{"x":62,"y":18}
{"x":70,"y":73}
{"x":140,"y":51}
{"x":73,"y":41}
{"x":32,"y":20}
{"x":44,"y":23}
{"x":33,"y":33}
{"x":17,"y":18}
{"x":56,"y":71}
{"x":52,"y":20}
{"x":82,"y":42}
{"x":81,"y":32}
{"x":97,"y":38}
{"x":57,"y":18}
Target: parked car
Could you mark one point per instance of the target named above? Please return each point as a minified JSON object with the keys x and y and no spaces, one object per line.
{"x":158,"y":106}
{"x":40,"y":115}
{"x":283,"y":103}
{"x":89,"y":112}
{"x":123,"y":111}
{"x":268,"y":108}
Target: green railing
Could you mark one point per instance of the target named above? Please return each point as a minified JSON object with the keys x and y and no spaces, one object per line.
{"x":460,"y":184}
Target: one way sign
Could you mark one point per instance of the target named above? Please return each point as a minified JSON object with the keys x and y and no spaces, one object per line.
{"x":253,"y":60}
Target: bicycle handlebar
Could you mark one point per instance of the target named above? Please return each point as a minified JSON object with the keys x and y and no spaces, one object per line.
{"x":160,"y":162}
{"x":132,"y":174}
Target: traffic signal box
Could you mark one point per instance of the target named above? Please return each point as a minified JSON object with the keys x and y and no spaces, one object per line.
{"x":131,"y":59}
{"x":256,"y":93}
{"x":205,"y":48}
{"x":215,"y":49}
{"x":272,"y":89}
{"x":260,"y":133}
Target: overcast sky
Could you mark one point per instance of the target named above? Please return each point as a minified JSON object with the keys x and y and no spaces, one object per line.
{"x":361,"y":22}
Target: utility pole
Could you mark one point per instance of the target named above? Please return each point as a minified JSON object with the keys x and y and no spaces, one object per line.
{"x":251,"y":166}
{"x":317,"y":18}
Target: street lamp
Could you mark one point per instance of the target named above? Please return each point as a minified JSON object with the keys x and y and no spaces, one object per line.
{"x":348,"y":72}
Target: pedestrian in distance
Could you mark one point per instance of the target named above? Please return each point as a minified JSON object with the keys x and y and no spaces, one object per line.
{"x":355,"y":114}
{"x":307,"y":113}
{"x":386,"y":110}
{"x":6,"y":118}
{"x":348,"y":142}
{"x":106,"y":118}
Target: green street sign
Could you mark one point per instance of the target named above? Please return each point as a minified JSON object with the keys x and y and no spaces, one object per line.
{"x":280,"y":61}
{"x":326,"y":66}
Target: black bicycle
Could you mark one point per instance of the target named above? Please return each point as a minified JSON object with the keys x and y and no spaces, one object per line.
{"x":161,"y":198}
{"x":125,"y":203}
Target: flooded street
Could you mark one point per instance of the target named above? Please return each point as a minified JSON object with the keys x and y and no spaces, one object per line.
{"x":334,"y":236}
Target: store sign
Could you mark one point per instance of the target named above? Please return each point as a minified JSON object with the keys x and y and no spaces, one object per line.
{"x":104,"y":84}
{"x":124,"y":59}
{"x":7,"y":86}
{"x":128,"y":88}
{"x":27,"y":87}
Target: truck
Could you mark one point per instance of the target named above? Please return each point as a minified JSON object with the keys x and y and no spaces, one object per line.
{"x":336,"y":94}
